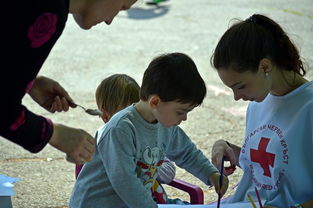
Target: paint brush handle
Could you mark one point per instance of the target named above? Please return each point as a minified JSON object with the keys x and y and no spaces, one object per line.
{"x":221,"y":183}
{"x":258,"y":196}
{"x":252,"y":202}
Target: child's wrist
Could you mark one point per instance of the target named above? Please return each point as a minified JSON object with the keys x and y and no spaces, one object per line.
{"x":212,"y":177}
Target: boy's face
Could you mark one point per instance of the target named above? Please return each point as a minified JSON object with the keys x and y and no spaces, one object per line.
{"x":172,"y":113}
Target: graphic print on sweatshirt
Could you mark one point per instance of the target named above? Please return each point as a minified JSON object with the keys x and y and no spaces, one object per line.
{"x":147,"y":167}
{"x":265,"y":152}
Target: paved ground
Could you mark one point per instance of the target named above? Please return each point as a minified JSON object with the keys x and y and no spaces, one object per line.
{"x":81,"y":59}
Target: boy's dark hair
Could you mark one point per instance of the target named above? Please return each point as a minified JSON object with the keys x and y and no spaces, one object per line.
{"x":245,"y":43}
{"x":173,"y":77}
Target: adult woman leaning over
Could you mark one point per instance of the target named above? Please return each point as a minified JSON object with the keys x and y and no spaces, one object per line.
{"x":29,"y":31}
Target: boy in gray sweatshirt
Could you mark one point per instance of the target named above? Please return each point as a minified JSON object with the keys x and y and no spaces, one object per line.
{"x":132,"y":145}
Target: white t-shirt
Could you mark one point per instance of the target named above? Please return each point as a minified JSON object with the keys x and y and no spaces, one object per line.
{"x":277,"y":153}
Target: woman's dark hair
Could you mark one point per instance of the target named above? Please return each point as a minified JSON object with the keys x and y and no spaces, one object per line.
{"x":173,"y":77}
{"x":245,"y":43}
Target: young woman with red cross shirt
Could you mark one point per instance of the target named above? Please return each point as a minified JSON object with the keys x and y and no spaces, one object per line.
{"x":258,"y":61}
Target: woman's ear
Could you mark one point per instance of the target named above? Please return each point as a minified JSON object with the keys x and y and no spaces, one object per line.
{"x":154,"y":101}
{"x":265,"y":65}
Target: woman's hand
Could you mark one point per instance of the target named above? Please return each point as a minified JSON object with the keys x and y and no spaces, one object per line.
{"x":221,"y":149}
{"x":76,"y":143}
{"x":215,"y":180}
{"x":50,"y":95}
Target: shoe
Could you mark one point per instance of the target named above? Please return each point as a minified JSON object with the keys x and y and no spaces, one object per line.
{"x":154,"y":2}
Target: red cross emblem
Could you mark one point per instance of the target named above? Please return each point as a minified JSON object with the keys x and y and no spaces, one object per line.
{"x":260,"y":155}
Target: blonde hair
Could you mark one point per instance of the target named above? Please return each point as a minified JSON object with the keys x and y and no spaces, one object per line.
{"x":117,"y":92}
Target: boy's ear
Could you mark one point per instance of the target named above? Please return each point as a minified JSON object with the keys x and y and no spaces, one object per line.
{"x":265,"y":65}
{"x":154,"y":100}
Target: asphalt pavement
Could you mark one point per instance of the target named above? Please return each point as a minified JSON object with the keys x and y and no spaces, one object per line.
{"x":81,"y":59}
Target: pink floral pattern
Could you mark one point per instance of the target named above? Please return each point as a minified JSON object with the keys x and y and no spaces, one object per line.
{"x":19,"y":122}
{"x":42,"y":30}
{"x":43,"y":130}
{"x":29,"y":86}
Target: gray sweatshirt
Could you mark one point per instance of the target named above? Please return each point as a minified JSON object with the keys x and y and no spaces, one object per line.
{"x":129,"y":153}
